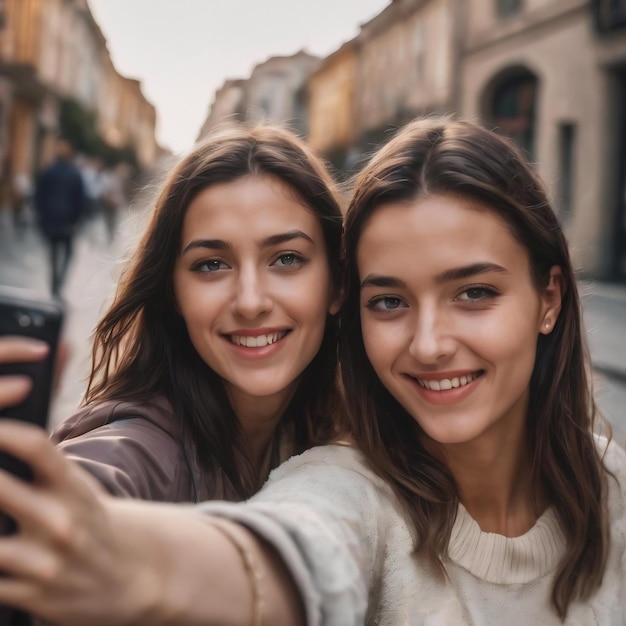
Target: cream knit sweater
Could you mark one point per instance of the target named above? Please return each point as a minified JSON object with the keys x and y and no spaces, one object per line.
{"x":343,"y":536}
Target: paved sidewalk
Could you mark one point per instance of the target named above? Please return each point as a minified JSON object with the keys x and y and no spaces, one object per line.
{"x":605,"y":319}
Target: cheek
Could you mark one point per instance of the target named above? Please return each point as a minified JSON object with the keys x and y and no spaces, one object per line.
{"x":509,"y":345}
{"x":199,"y":309}
{"x":380,"y":343}
{"x":307,"y":297}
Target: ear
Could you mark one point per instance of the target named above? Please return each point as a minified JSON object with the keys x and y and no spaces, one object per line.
{"x":551,"y":299}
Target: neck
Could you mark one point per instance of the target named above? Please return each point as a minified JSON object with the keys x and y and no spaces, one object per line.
{"x":258,"y":419}
{"x":493,"y":480}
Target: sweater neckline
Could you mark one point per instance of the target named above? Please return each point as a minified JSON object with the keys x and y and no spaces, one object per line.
{"x":506,"y":560}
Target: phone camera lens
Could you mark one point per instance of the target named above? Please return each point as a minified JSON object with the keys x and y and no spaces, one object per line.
{"x":23,"y":320}
{"x":38,"y":320}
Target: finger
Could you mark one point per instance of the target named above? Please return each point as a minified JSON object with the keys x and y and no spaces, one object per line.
{"x":19,"y":500}
{"x":22,"y":558}
{"x":19,"y":594}
{"x":14,"y":389}
{"x":14,"y":349}
{"x":32,"y":445}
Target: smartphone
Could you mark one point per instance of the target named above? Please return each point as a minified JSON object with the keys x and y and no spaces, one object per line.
{"x":25,"y":313}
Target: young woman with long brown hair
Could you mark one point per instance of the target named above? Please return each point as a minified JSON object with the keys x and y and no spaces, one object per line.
{"x":217,"y":358}
{"x":473,"y":489}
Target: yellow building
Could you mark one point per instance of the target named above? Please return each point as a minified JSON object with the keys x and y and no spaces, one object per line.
{"x":52,"y":50}
{"x":331,"y":104}
{"x":400,"y":65}
{"x":23,"y":95}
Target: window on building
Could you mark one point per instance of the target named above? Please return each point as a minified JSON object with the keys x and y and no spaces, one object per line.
{"x":567,"y":150}
{"x":513,"y":109}
{"x":505,"y":8}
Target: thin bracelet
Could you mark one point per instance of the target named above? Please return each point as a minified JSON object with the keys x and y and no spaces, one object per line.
{"x":230,"y":530}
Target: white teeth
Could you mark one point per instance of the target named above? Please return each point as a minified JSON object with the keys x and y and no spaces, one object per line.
{"x":259,"y":341}
{"x":446,"y":383}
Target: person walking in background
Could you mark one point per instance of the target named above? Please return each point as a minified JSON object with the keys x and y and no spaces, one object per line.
{"x":111,"y":200}
{"x":59,"y":203}
{"x":92,"y":172}
{"x":22,"y":198}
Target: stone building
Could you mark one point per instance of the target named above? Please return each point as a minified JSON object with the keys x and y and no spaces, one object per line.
{"x":51,"y":50}
{"x":405,"y":65}
{"x":551,"y":74}
{"x":332,"y":105}
{"x":228,"y":104}
{"x":400,"y":65}
{"x":274,"y":92}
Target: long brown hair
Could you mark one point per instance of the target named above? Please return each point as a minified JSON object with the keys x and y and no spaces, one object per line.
{"x":443,"y":156}
{"x":141,"y":347}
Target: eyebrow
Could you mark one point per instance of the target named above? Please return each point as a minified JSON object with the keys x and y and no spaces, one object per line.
{"x":457,"y":273}
{"x":268,"y":242}
{"x":373,"y":280}
{"x":275,"y":240}
{"x":211,"y":244}
{"x":466,"y":271}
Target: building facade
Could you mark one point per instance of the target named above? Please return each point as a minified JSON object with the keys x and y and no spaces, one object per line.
{"x":405,"y":65}
{"x":332,"y":105}
{"x":544,"y":72}
{"x":51,"y":51}
{"x":228,"y":104}
{"x":400,"y":65}
{"x":274,"y":92}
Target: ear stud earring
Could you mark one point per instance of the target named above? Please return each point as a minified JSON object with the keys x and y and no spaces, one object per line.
{"x":547,"y":324}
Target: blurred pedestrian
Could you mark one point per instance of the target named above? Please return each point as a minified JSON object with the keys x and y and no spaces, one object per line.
{"x":22,"y":198}
{"x":111,"y":200}
{"x":59,"y":202}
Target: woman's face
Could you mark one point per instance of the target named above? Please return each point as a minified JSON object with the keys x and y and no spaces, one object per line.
{"x":450,"y":316}
{"x":253,"y":285}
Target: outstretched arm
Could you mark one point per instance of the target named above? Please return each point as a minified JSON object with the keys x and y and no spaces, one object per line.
{"x":82,"y":557}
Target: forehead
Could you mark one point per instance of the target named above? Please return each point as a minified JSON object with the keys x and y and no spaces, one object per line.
{"x":436,"y":232}
{"x":257,"y":202}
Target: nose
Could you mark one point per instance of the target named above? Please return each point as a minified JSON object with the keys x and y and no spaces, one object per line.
{"x":432,"y":340}
{"x":250,"y":298}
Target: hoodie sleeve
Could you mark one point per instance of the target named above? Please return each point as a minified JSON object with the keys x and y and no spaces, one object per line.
{"x":130,"y":455}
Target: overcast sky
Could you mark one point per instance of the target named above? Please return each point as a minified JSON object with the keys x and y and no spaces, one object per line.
{"x":183,"y":50}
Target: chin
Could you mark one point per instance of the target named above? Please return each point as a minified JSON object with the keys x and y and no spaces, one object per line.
{"x":451,"y":436}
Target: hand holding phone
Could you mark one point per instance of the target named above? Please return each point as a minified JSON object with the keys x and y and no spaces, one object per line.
{"x":24,"y":315}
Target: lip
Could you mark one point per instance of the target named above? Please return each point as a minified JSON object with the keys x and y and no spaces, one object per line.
{"x":447,"y":396}
{"x":258,"y":352}
{"x":444,"y":375}
{"x":255,"y":332}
